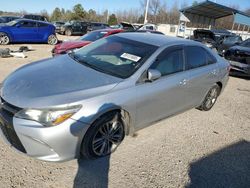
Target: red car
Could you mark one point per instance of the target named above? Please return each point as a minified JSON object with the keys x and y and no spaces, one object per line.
{"x":64,"y":47}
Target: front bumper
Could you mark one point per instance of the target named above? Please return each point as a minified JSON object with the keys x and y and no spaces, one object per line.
{"x":240,"y":67}
{"x":58,"y":143}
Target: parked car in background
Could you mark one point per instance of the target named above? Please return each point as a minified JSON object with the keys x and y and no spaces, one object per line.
{"x":85,"y":102}
{"x":227,"y":42}
{"x":35,"y":17}
{"x":86,"y":39}
{"x":58,"y":25}
{"x":137,"y":25}
{"x":25,"y":30}
{"x":239,"y":58}
{"x":125,"y":26}
{"x":97,"y":26}
{"x":148,"y":26}
{"x":6,"y":19}
{"x":211,"y":38}
{"x":74,"y":28}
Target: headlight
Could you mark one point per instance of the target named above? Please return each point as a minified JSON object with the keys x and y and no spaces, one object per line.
{"x":48,"y":117}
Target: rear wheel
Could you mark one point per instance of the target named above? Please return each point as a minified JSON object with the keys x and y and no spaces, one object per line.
{"x":4,"y":39}
{"x":68,"y":32}
{"x":104,"y":136}
{"x":52,"y":40}
{"x":210,"y":98}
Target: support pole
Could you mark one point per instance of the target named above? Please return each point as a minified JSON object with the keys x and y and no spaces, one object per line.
{"x":233,"y":23}
{"x":178,"y":28}
{"x":243,"y":30}
{"x":238,"y":28}
{"x":146,"y":13}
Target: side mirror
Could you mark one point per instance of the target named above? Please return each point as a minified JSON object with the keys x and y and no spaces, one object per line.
{"x":237,"y":43}
{"x":153,"y":74}
{"x":18,"y":25}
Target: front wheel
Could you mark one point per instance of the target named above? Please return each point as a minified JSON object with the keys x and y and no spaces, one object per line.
{"x":68,"y":32}
{"x":104,"y":136}
{"x":4,"y":39}
{"x":210,"y":98}
{"x":52,"y":40}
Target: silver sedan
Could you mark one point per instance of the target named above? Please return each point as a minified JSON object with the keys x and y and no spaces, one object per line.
{"x":83,"y":103}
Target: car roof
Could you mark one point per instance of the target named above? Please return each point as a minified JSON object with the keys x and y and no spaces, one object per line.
{"x":24,"y":19}
{"x":155,"y":39}
{"x":9,"y":16}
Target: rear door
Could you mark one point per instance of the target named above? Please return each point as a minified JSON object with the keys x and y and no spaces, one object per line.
{"x":25,"y":31}
{"x":203,"y":73}
{"x":165,"y":96}
{"x":43,"y":31}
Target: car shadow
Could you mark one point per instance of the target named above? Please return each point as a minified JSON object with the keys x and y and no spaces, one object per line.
{"x":228,"y":167}
{"x":92,"y":173}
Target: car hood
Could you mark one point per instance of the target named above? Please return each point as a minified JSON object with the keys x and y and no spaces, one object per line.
{"x":54,"y":81}
{"x":240,"y":48}
{"x":72,"y":44}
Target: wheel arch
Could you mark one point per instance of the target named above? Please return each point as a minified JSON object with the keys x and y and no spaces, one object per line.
{"x":220,"y":85}
{"x":124,"y":115}
{"x":8,"y":34}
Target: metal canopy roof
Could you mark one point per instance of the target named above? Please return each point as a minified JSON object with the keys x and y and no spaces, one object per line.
{"x":210,"y":10}
{"x":207,"y":12}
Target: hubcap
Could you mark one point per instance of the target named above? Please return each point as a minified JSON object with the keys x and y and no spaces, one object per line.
{"x":4,"y":39}
{"x":107,"y":138}
{"x":52,"y":40}
{"x":212,"y":96}
{"x":68,"y":32}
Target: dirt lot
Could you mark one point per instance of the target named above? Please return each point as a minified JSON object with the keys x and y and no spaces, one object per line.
{"x":193,"y":149}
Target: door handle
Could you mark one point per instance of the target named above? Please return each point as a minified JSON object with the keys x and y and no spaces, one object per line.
{"x":183,"y":82}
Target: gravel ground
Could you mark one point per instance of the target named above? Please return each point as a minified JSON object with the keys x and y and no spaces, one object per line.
{"x":193,"y":149}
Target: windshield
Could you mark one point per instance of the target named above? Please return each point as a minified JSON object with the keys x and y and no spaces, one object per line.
{"x":93,"y":36}
{"x":114,"y":55}
{"x":12,"y":23}
{"x":232,"y":39}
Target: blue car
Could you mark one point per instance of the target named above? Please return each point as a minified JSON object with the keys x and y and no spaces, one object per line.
{"x":28,"y":31}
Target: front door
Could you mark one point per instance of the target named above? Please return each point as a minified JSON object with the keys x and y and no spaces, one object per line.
{"x":25,"y":31}
{"x":167,"y":95}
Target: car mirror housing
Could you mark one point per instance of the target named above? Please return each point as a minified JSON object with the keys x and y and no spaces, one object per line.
{"x":153,"y":74}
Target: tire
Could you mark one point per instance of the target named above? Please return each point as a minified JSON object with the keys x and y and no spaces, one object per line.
{"x":52,"y":40}
{"x":68,"y":32}
{"x":4,"y":39}
{"x":103,"y":137}
{"x":210,"y":98}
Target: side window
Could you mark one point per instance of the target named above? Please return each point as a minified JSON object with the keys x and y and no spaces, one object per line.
{"x":42,"y":25}
{"x":77,"y":24}
{"x":27,"y":24}
{"x":169,"y":62}
{"x":195,"y":57}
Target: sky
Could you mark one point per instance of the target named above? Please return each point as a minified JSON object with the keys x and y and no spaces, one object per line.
{"x":35,"y":6}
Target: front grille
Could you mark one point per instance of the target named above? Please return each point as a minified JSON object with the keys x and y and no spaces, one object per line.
{"x":7,"y":112}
